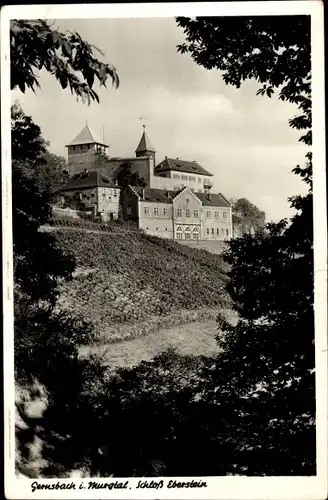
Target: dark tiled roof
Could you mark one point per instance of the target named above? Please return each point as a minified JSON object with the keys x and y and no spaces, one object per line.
{"x":145,"y":144}
{"x":190,"y":167}
{"x":163,"y":196}
{"x":213,"y":199}
{"x":159,"y":195}
{"x":88,"y":180}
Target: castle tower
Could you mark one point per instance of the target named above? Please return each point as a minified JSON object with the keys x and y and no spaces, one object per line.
{"x":145,"y":147}
{"x":82,"y":149}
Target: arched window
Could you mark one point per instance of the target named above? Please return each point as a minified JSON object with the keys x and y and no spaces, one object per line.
{"x":187,"y":233}
{"x":179,"y":233}
{"x":195,"y":233}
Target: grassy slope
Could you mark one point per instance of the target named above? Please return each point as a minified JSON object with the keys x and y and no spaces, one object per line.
{"x":130,"y":284}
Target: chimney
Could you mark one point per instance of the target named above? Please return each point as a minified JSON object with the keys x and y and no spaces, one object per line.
{"x":143,"y":193}
{"x":165,"y":157}
{"x":116,"y":182}
{"x":209,"y":196}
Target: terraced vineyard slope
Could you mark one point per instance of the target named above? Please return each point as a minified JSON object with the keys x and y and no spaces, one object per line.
{"x":129,"y":284}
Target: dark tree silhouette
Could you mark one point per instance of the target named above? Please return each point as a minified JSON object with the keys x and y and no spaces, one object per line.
{"x":36,"y":46}
{"x":46,"y":341}
{"x":268,"y":359}
{"x":252,"y":409}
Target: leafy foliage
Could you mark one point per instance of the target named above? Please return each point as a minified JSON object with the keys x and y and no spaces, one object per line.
{"x":246,"y":208}
{"x":36,"y":46}
{"x":246,"y":217}
{"x":46,"y":342}
{"x":126,"y":177}
{"x":268,"y":361}
{"x":39,"y":264}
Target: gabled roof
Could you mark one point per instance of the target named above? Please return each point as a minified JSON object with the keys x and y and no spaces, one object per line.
{"x":213,"y":199}
{"x":190,"y":167}
{"x":164,"y":196}
{"x":155,"y":195}
{"x":145,"y":144}
{"x":86,"y":180}
{"x":87,"y":136}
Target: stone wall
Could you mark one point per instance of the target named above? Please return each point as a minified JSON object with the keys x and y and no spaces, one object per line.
{"x":216,"y":247}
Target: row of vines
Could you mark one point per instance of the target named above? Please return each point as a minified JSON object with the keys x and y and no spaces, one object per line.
{"x":135,"y":279}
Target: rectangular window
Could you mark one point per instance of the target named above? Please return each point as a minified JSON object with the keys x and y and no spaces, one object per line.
{"x":208,"y":214}
{"x":191,"y":178}
{"x":217,"y":231}
{"x":165,"y":212}
{"x":179,"y":235}
{"x":179,"y":212}
{"x":224,"y":215}
{"x":195,"y":236}
{"x":195,"y":213}
{"x":187,"y":235}
{"x":187,"y":212}
{"x":207,"y":231}
{"x":114,"y":192}
{"x":146,"y":210}
{"x":212,"y":231}
{"x":227,"y":232}
{"x":199,"y":179}
{"x":184,"y":177}
{"x":217,"y":215}
{"x":155,"y":211}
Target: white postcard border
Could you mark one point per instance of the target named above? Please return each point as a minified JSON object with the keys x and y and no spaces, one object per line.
{"x":218,"y":487}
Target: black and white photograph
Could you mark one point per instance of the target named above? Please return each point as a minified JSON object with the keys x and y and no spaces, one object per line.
{"x":165,"y":258}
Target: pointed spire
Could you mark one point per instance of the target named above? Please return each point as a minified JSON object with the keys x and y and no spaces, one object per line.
{"x":145,"y":145}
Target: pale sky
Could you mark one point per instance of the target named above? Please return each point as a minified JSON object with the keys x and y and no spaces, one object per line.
{"x":243,"y":139}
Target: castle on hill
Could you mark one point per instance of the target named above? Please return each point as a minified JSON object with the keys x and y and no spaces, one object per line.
{"x":174,"y":201}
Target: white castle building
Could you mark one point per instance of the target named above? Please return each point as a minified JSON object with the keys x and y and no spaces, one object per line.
{"x":175,"y":200}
